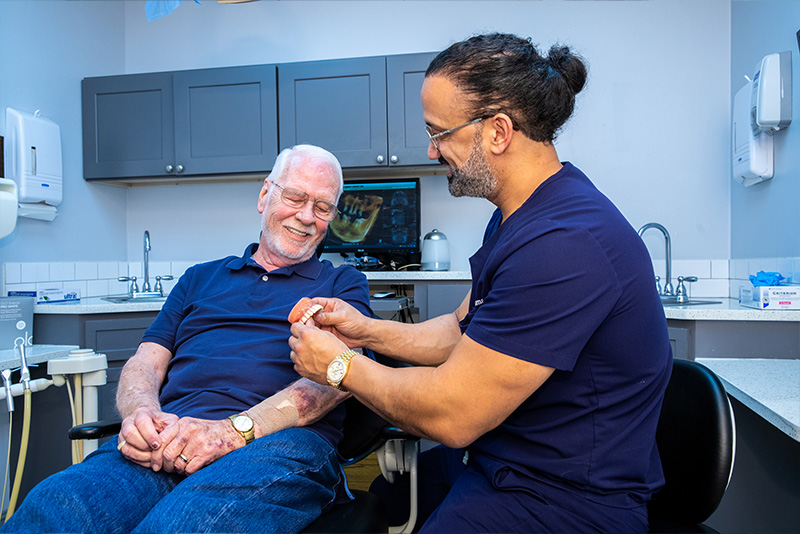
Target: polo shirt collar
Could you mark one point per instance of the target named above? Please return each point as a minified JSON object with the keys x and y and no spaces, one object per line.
{"x":311,"y":268}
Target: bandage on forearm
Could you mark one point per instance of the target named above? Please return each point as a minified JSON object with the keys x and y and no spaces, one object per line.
{"x":275,"y":413}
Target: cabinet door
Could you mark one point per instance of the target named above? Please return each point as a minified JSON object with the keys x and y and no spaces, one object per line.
{"x":226,"y":120}
{"x":408,"y":142}
{"x":339,"y":105}
{"x":128,"y":127}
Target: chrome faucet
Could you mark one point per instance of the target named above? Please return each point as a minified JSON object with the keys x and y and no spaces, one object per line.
{"x":667,"y":291}
{"x":146,"y":292}
{"x":146,"y":283}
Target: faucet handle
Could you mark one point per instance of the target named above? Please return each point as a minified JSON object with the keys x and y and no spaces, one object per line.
{"x":134,"y":288}
{"x":158,"y":287}
{"x":658,"y":284}
{"x":681,"y":292}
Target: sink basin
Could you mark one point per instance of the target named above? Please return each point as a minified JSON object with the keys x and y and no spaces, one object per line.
{"x":127,"y":298}
{"x":673,"y":301}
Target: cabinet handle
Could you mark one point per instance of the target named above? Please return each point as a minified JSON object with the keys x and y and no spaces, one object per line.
{"x":393,"y":159}
{"x":168,"y":168}
{"x":179,"y":168}
{"x":379,"y":159}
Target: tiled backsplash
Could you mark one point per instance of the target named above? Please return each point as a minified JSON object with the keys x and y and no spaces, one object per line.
{"x":717,"y":278}
{"x":92,"y":279}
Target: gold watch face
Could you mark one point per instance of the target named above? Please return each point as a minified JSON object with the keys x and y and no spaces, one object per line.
{"x":242,"y":423}
{"x":336,"y":371}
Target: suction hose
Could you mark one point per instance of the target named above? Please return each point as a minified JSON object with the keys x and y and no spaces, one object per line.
{"x":23,"y":452}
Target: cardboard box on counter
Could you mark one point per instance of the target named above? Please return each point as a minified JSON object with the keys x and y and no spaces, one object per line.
{"x":46,"y":296}
{"x":16,"y":320}
{"x":770,"y":297}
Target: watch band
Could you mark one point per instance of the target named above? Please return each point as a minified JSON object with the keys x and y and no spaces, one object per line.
{"x":248,"y":435}
{"x":345,"y":357}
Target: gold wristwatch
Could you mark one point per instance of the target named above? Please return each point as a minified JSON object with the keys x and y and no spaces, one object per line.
{"x":244,"y":426}
{"x":337,"y":369}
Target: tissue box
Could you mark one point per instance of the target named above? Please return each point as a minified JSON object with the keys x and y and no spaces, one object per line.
{"x":46,"y":296}
{"x":770,"y":297}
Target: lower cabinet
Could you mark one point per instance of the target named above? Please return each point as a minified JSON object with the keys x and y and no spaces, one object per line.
{"x":117,"y":335}
{"x":692,"y":339}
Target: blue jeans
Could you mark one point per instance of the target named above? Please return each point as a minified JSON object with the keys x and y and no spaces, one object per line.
{"x":278,"y":483}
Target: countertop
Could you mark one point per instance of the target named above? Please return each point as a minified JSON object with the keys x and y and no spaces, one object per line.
{"x":768,"y":387}
{"x":418,"y":276}
{"x":36,"y":354}
{"x":727,"y":310}
{"x":97,"y":305}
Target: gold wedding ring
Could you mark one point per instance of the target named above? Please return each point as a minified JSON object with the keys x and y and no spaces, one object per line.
{"x":184,"y":458}
{"x":121,"y":444}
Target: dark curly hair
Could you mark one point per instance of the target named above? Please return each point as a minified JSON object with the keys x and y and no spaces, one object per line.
{"x":504,"y":73}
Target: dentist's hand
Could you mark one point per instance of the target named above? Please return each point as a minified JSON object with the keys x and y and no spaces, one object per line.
{"x":312,"y":350}
{"x":338,"y":317}
{"x":144,"y":434}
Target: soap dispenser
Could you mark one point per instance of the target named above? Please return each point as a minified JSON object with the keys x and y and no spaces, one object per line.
{"x":435,"y":252}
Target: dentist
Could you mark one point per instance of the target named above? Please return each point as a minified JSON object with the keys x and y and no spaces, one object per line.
{"x":545,"y":386}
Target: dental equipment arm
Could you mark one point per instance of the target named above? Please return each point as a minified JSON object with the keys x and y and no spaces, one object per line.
{"x":25,"y":378}
{"x":7,"y":391}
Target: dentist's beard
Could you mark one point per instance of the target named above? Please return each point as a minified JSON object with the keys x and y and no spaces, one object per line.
{"x":474,"y":178}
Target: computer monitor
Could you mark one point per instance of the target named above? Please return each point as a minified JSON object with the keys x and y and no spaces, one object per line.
{"x":376,"y":218}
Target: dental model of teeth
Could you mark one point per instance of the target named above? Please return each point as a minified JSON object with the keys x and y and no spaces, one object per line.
{"x":303,"y":311}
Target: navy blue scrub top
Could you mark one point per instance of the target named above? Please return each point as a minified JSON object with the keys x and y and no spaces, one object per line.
{"x":225,"y":323}
{"x":566,"y":282}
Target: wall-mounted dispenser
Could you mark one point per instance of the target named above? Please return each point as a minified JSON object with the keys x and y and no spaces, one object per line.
{"x":771,"y":98}
{"x":761,"y":108}
{"x":752,"y":152}
{"x":32,"y":154}
{"x":8,"y":206}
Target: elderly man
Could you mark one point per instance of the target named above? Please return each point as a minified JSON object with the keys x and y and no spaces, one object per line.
{"x":219,"y":433}
{"x":547,"y":382}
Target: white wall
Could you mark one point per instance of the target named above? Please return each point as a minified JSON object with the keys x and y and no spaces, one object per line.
{"x":765,"y":217}
{"x":651,"y":129}
{"x":46,"y":48}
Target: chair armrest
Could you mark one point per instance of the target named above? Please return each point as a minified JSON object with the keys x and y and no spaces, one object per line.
{"x":95,"y":430}
{"x":392,"y":432}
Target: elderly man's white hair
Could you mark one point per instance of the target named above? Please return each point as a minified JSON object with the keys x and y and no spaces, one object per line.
{"x":287,"y":155}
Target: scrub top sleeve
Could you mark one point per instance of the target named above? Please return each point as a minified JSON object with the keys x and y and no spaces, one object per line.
{"x":545,"y":298}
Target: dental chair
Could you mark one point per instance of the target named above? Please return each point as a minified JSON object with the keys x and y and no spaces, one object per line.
{"x":364,"y":433}
{"x":696,"y":439}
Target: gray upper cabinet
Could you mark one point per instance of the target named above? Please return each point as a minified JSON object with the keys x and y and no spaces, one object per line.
{"x":408,"y":142}
{"x":128,"y":125}
{"x":184,"y":123}
{"x":366,"y":111}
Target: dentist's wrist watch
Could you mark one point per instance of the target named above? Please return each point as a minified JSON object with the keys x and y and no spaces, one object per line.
{"x":244,"y":426}
{"x":338,"y":368}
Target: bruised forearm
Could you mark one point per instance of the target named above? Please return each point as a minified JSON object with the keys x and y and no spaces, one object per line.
{"x":301,"y":404}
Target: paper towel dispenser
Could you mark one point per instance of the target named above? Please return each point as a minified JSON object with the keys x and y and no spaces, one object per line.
{"x":752,"y":151}
{"x":32,"y":154}
{"x":8,"y":206}
{"x":771,"y":97}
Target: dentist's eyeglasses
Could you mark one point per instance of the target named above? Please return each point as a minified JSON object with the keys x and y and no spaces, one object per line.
{"x":294,"y":198}
{"x":434,"y":137}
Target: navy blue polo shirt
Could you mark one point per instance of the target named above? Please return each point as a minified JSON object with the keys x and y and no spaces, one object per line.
{"x":225,"y":323}
{"x":566,"y":282}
